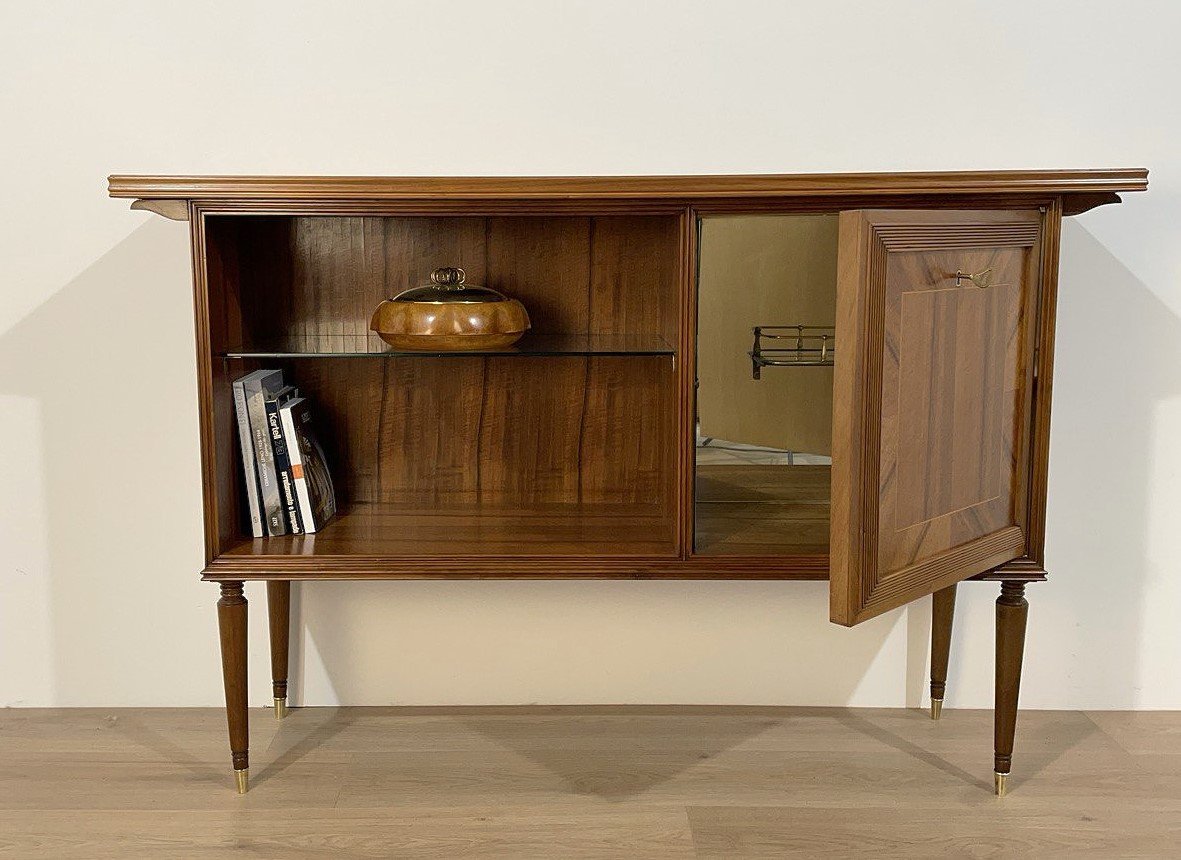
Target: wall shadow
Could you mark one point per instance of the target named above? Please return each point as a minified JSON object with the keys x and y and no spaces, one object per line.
{"x":584,"y":642}
{"x":1117,"y":359}
{"x":109,"y":361}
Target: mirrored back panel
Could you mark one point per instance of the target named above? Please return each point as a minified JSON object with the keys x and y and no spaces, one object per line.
{"x":765,"y":347}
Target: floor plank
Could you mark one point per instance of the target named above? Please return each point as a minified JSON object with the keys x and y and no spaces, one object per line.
{"x":587,"y":782}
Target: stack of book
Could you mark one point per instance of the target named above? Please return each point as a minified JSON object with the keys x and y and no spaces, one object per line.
{"x":288,"y":487}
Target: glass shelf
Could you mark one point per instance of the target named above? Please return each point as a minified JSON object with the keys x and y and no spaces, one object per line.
{"x":371,"y":346}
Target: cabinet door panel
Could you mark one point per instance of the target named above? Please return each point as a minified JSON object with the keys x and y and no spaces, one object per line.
{"x":931,"y":406}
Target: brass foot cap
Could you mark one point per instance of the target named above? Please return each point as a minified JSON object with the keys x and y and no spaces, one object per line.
{"x":280,"y":708}
{"x":242,"y":778}
{"x":936,"y":708}
{"x":1000,"y":784}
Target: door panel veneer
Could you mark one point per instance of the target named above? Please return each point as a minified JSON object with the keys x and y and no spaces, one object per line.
{"x":932,"y":401}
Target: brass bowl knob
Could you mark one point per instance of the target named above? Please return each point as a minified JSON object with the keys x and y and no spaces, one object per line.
{"x":448,"y":276}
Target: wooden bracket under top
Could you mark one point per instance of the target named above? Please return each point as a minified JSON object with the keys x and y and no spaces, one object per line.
{"x":177,"y":210}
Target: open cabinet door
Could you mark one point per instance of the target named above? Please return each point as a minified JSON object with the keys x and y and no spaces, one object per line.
{"x":932,"y":401}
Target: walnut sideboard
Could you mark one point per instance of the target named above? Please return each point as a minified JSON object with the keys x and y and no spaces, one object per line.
{"x":888,"y":431}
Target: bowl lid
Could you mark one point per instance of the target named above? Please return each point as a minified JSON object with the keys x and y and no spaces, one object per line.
{"x":447,"y":286}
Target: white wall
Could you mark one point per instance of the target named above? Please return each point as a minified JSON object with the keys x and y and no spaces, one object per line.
{"x":100,"y":540}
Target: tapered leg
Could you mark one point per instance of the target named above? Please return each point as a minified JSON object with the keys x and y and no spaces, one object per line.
{"x":1011,"y":612}
{"x":942,"y":612}
{"x":279,"y":610}
{"x":231,"y":622}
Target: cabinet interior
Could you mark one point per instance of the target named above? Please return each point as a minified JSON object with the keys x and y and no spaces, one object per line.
{"x":565,"y":446}
{"x":764,"y":445}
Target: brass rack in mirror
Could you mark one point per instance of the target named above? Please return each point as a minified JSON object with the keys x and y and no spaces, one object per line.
{"x":792,"y":346}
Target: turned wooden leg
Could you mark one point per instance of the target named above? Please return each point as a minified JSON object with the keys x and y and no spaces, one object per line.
{"x":279,"y":610}
{"x":1011,"y":612}
{"x":231,"y":622}
{"x":942,"y":612}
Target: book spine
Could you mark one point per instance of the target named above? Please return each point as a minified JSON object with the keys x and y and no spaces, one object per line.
{"x":283,"y":467}
{"x":304,"y":501}
{"x":249,"y":470}
{"x":267,"y":479}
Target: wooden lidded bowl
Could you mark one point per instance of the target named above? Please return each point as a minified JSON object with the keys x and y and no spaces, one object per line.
{"x":449,"y":315}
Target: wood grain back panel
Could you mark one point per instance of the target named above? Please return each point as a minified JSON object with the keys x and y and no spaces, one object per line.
{"x":633,"y":261}
{"x":429,"y":420}
{"x":627,"y":440}
{"x":503,"y":432}
{"x":472,"y":433}
{"x":314,"y":276}
{"x":932,"y":402}
{"x":530,"y":430}
{"x":545,"y":264}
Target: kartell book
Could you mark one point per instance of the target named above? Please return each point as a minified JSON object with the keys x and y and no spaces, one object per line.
{"x":274,"y":403}
{"x":250,"y":383}
{"x":309,"y":468}
{"x":255,"y":387}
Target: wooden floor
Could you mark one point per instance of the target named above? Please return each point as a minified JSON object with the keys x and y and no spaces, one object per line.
{"x":587,"y":782}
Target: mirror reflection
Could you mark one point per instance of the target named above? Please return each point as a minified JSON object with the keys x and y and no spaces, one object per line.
{"x":765,"y":346}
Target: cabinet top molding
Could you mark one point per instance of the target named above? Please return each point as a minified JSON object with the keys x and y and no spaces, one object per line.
{"x":688,"y":188}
